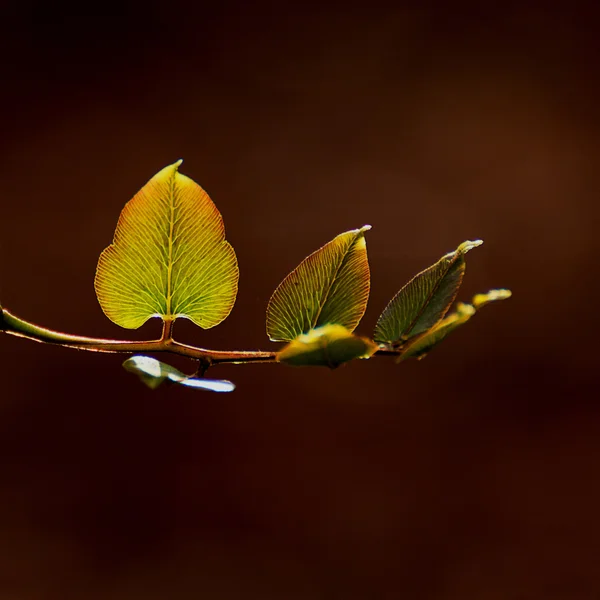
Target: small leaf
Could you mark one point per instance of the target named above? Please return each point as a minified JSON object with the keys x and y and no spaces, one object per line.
{"x":480,"y":300}
{"x":154,"y":372}
{"x":331,"y":286}
{"x":420,"y":346}
{"x":424,"y":300}
{"x":329,"y":345}
{"x":169,"y":257}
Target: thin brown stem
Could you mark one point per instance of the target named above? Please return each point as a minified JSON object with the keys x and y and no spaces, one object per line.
{"x":15,"y":326}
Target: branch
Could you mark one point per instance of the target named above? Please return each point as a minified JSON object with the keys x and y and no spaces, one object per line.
{"x":13,"y":325}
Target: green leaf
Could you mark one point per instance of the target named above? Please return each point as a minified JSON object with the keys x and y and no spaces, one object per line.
{"x":420,"y":346}
{"x":424,"y":300}
{"x":480,"y":300}
{"x":154,"y":372}
{"x":169,"y":257}
{"x":329,"y":345}
{"x":331,"y":286}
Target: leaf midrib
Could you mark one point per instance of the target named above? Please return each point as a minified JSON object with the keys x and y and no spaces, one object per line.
{"x":430,"y":296}
{"x":171,"y":238}
{"x":334,"y":278}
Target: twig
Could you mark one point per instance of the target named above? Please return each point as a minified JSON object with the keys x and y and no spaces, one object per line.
{"x":15,"y":326}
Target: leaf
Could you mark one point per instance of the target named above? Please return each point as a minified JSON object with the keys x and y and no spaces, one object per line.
{"x":329,"y":345}
{"x":154,"y":372}
{"x":424,"y":300}
{"x":421,"y":345}
{"x":480,"y":300}
{"x":169,"y":257}
{"x":331,"y":286}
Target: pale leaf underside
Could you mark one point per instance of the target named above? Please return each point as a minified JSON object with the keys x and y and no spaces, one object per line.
{"x":153,"y":373}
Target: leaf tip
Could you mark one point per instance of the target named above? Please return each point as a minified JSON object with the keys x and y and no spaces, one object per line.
{"x":365,"y":228}
{"x":212,"y":385}
{"x":480,"y":300}
{"x":468,"y":245}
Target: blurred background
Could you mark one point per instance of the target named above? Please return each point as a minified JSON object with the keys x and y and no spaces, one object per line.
{"x":470,"y":475}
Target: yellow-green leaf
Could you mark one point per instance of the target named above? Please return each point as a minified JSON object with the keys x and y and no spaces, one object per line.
{"x":329,"y":345}
{"x":331,"y":286}
{"x":169,"y":257}
{"x":424,"y":300}
{"x":480,"y":300}
{"x":153,"y":373}
{"x":421,"y":345}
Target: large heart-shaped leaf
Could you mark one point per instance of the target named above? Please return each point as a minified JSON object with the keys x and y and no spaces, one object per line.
{"x":331,"y":286}
{"x":169,"y":257}
{"x":425,"y":299}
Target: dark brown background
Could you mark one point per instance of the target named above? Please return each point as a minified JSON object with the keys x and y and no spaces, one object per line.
{"x":470,"y":475}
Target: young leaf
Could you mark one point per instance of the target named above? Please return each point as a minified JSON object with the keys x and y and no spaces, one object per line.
{"x":421,"y":345}
{"x":329,"y":345}
{"x":154,"y":372}
{"x":424,"y":300}
{"x":169,"y":257}
{"x":331,"y":286}
{"x":480,"y":300}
